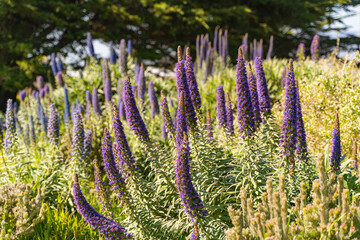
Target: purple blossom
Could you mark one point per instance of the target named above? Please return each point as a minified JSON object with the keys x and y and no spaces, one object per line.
{"x":301,"y":145}
{"x":182,"y":86}
{"x":121,"y":107}
{"x":10,"y":135}
{"x":95,"y":102}
{"x":107,"y":90}
{"x":113,"y":55}
{"x":40,"y":82}
{"x":335,"y":156}
{"x":153,"y":100}
{"x":300,"y":53}
{"x":215,"y":38}
{"x":188,"y":195}
{"x":191,"y":79}
{"x":67,"y":113}
{"x":163,"y":132}
{"x":289,"y":124}
{"x":315,"y":48}
{"x":115,"y":179}
{"x":59,"y":79}
{"x":34,"y":93}
{"x":244,"y":105}
{"x":87,"y":142}
{"x":53,"y":64}
{"x":1,"y":134}
{"x":220,"y":107}
{"x":53,"y":125}
{"x":254,"y":97}
{"x":101,"y":189}
{"x":90,"y":45}
{"x":244,"y":45}
{"x":47,"y":88}
{"x":22,"y":95}
{"x":110,"y":229}
{"x":181,"y":124}
{"x":132,"y":113}
{"x":42,"y":93}
{"x":167,"y":121}
{"x":123,"y":57}
{"x":88,"y":105}
{"x":41,"y":114}
{"x":195,"y":234}
{"x":229,"y":116}
{"x":32,"y":130}
{"x":59,"y":64}
{"x":283,"y":76}
{"x":124,"y":159}
{"x":78,"y":136}
{"x":141,"y":82}
{"x":129,"y":47}
{"x":271,"y":47}
{"x":262,"y":88}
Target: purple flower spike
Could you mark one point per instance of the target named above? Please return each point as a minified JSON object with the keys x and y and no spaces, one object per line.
{"x":113,"y":55}
{"x":1,"y":134}
{"x":209,"y":126}
{"x":121,"y":107}
{"x":289,"y":124}
{"x":53,"y":125}
{"x":42,"y":93}
{"x":107,"y":90}
{"x":315,"y":48}
{"x":164,"y":133}
{"x":132,"y":113}
{"x":10,"y":136}
{"x":335,"y":157}
{"x":90,"y":45}
{"x":40,"y":82}
{"x":283,"y":77}
{"x":115,"y":179}
{"x":67,"y":113}
{"x":254,"y":97}
{"x":88,"y":105}
{"x":153,"y":100}
{"x":123,"y":57}
{"x":181,"y":124}
{"x":300,"y":53}
{"x":301,"y":145}
{"x":124,"y":159}
{"x":262,"y":88}
{"x":59,"y":79}
{"x":191,"y":78}
{"x":22,"y":95}
{"x":34,"y":93}
{"x":182,"y":86}
{"x":47,"y":88}
{"x":87,"y":143}
{"x":229,"y":116}
{"x":188,"y":195}
{"x":101,"y":189}
{"x":129,"y":47}
{"x":195,"y":234}
{"x":107,"y":227}
{"x":168,"y":123}
{"x":271,"y":47}
{"x":95,"y":102}
{"x":220,"y":107}
{"x":244,"y":105}
{"x":141,"y":82}
{"x":78,"y":136}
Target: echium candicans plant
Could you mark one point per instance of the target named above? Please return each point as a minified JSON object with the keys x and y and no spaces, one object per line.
{"x":101,"y":189}
{"x":90,"y":46}
{"x":124,"y":159}
{"x":123,"y":57}
{"x":244,"y":105}
{"x":59,"y":64}
{"x":87,"y":142}
{"x":190,"y":199}
{"x":10,"y":135}
{"x":107,"y":227}
{"x":113,"y":55}
{"x":78,"y":137}
{"x":129,"y":47}
{"x":41,"y":114}
{"x":95,"y":102}
{"x":229,"y":116}
{"x":32,"y":130}
{"x":335,"y":156}
{"x":40,"y":82}
{"x":67,"y":114}
{"x":300,"y":52}
{"x":221,"y":107}
{"x":133,"y":116}
{"x":141,"y":83}
{"x":315,"y":48}
{"x":88,"y":105}
{"x":59,"y":79}
{"x":22,"y":95}
{"x":167,"y":121}
{"x":182,"y":86}
{"x":301,"y":145}
{"x":262,"y":88}
{"x":164,"y":132}
{"x":254,"y":97}
{"x":153,"y":100}
{"x":53,"y":125}
{"x":191,"y":78}
{"x":116,"y":181}
{"x":289,"y":124}
{"x":181,"y":124}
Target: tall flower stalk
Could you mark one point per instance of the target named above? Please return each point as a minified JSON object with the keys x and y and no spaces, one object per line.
{"x":153,"y":100}
{"x":254,"y":97}
{"x":191,"y":78}
{"x":220,"y":107}
{"x":123,"y":57}
{"x":289,"y":124}
{"x":300,"y":52}
{"x":262,"y":88}
{"x":101,"y":189}
{"x":335,"y":156}
{"x":229,"y":116}
{"x":67,"y":114}
{"x":106,"y":227}
{"x":133,"y":115}
{"x":53,"y":126}
{"x":95,"y":102}
{"x":87,"y":143}
{"x":167,"y":121}
{"x":141,"y":83}
{"x":301,"y":145}
{"x":244,"y":104}
{"x":90,"y":45}
{"x":181,"y":125}
{"x":78,"y":137}
{"x":315,"y":48}
{"x":10,"y":135}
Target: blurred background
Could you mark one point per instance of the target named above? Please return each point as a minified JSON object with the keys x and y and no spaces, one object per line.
{"x":30,"y":30}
